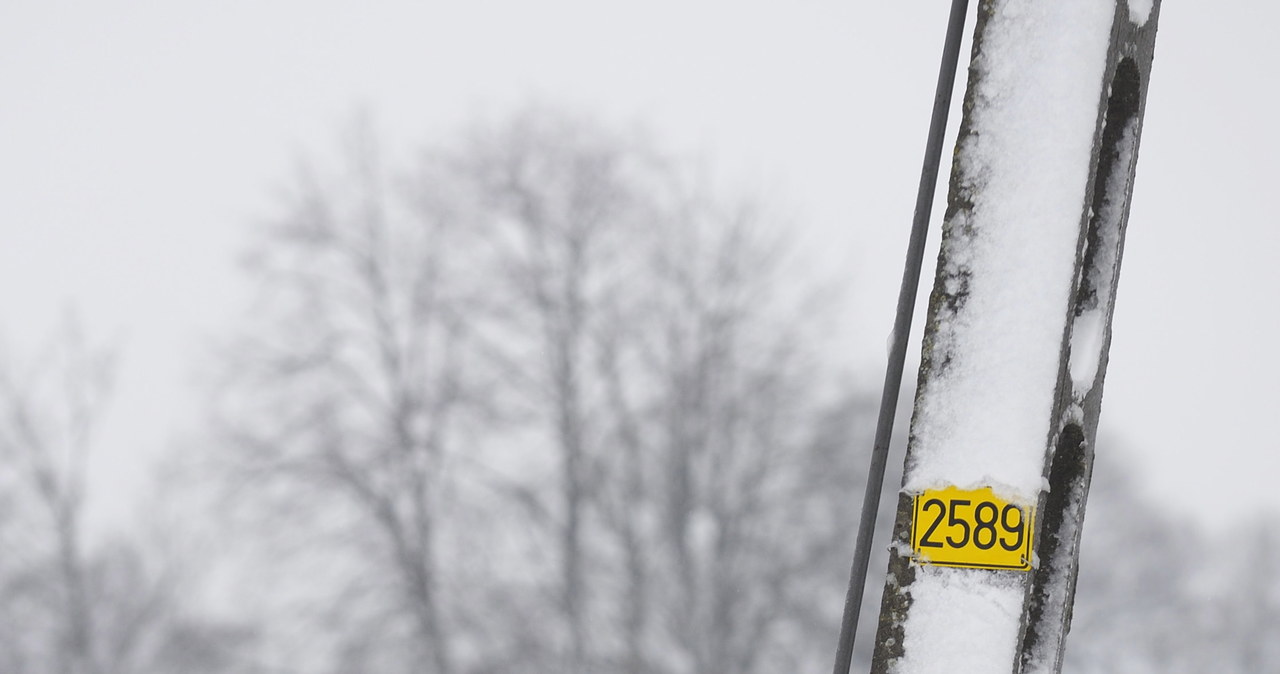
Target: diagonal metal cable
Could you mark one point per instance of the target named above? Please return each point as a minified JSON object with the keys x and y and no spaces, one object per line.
{"x":901,"y":333}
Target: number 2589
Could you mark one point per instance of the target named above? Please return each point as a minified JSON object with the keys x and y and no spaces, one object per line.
{"x":971,"y":528}
{"x":977,"y":527}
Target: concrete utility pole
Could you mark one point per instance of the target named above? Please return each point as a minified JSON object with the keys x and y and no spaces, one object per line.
{"x":983,"y":563}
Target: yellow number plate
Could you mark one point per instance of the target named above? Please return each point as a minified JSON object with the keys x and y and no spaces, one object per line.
{"x":973,"y":529}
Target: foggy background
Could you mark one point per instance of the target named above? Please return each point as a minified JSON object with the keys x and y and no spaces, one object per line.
{"x":546,"y":338}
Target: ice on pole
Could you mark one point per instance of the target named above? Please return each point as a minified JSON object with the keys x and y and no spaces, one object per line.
{"x":982,"y":568}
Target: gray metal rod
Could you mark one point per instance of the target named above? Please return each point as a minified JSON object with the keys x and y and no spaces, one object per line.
{"x":901,"y":333}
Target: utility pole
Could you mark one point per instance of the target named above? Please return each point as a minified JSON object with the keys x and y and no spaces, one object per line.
{"x":985,"y":546}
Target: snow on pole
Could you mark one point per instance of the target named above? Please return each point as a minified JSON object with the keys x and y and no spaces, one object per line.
{"x":983,"y":564}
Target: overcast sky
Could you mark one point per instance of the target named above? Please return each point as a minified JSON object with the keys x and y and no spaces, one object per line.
{"x":141,"y":141}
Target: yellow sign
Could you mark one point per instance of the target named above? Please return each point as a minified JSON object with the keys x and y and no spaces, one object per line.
{"x":971,"y":528}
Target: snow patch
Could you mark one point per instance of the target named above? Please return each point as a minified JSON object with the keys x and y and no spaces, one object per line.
{"x":961,"y":622}
{"x":1087,"y":336}
{"x":984,"y":414}
{"x":1140,"y":11}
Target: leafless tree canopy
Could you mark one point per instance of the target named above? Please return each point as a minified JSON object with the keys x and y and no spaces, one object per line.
{"x":552,"y":402}
{"x":72,"y":603}
{"x":534,"y":399}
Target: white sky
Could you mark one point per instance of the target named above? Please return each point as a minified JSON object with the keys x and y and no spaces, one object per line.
{"x":140,"y":141}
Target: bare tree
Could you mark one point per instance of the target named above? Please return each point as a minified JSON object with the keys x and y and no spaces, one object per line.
{"x":668,"y":354}
{"x":49,"y":414}
{"x":548,"y":400}
{"x":347,"y":385}
{"x":726,"y":382}
{"x":559,"y":206}
{"x":1158,"y":594}
{"x":72,"y":601}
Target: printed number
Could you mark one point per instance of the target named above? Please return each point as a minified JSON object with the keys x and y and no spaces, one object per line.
{"x":987,"y":525}
{"x":983,"y":534}
{"x":942,"y":508}
{"x":1018,"y":529}
{"x":953,"y":520}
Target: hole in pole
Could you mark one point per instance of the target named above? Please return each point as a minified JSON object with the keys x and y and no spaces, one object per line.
{"x":1101,"y":259}
{"x":1053,"y":584}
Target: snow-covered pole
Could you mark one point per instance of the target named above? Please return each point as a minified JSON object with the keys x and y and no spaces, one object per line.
{"x":983,"y":563}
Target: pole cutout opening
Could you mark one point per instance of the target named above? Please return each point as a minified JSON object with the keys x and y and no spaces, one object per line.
{"x":1070,"y":470}
{"x":1095,"y":292}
